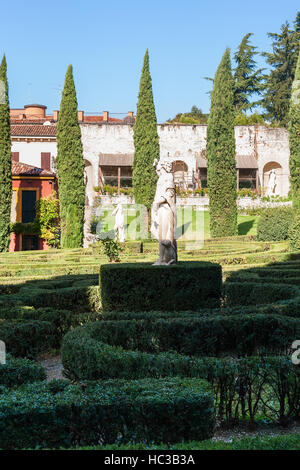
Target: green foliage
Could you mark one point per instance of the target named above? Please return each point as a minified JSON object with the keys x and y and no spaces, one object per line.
{"x":244,"y":120}
{"x":247,"y":78}
{"x":70,"y":167}
{"x":26,"y":338}
{"x":58,"y":413}
{"x":5,"y":160}
{"x":278,"y":87}
{"x":294,"y":234}
{"x":274,"y":224}
{"x":112,"y":249}
{"x":47,"y":217}
{"x":146,"y":347}
{"x":255,"y":293}
{"x":294,"y":138}
{"x":17,"y":372}
{"x":140,"y":286}
{"x":221,"y":170}
{"x":195,"y":116}
{"x":146,"y":142}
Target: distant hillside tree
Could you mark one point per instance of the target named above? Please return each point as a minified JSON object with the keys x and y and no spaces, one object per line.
{"x":195,"y":116}
{"x":70,"y":168}
{"x":294,"y":136}
{"x":221,"y":166}
{"x":248,"y":79}
{"x":5,"y":160}
{"x":146,"y":141}
{"x":283,"y":60}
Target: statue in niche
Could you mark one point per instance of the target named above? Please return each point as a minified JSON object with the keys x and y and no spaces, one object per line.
{"x":163,"y":226}
{"x":272,"y":183}
{"x":119,"y":227}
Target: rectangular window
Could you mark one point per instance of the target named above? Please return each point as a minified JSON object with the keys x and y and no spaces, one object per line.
{"x":45,"y":160}
{"x":15,"y":156}
{"x":28,"y":206}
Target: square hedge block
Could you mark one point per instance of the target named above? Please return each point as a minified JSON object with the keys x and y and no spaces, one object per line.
{"x":144,"y":287}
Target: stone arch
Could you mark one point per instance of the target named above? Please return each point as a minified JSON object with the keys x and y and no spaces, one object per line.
{"x":180,"y":171}
{"x":89,"y":182}
{"x":273,"y":187}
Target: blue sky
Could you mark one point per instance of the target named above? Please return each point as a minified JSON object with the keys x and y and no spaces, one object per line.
{"x":106,"y":41}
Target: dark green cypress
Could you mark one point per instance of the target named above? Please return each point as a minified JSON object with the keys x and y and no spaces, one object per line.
{"x":70,"y":167}
{"x":146,"y":142}
{"x":221,"y":166}
{"x":5,"y":160}
{"x":294,"y":134}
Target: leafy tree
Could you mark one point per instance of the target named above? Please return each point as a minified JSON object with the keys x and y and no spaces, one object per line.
{"x":195,"y":116}
{"x":70,"y":167}
{"x":247,"y":78}
{"x":221,"y":167}
{"x":283,"y":60}
{"x":146,"y":142}
{"x":294,"y":134}
{"x":47,"y":219}
{"x":5,"y":160}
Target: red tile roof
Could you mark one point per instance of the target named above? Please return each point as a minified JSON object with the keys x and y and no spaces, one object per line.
{"x":33,"y":130}
{"x":99,"y":119}
{"x":22,"y":169}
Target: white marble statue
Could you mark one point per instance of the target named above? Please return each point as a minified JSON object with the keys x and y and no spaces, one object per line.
{"x":163,"y":226}
{"x":272,"y":183}
{"x":119,"y":227}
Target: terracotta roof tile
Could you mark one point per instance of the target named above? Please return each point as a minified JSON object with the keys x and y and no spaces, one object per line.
{"x":22,"y":169}
{"x":33,"y":130}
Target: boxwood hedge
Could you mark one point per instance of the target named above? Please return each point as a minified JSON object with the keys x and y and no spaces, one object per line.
{"x":59,"y":414}
{"x":144,"y":287}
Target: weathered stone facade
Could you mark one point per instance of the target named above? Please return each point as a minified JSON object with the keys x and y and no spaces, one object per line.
{"x":269,"y":146}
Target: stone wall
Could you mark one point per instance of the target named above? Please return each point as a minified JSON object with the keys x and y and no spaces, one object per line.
{"x":185,"y":142}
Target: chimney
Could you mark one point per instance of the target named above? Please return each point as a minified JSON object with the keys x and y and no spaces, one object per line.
{"x":81,"y":116}
{"x":55,"y":115}
{"x":105,"y":116}
{"x":130,"y":113}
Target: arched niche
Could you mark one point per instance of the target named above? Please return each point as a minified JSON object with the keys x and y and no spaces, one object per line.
{"x":272,"y":179}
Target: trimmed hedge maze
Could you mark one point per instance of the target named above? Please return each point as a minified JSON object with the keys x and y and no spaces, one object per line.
{"x":151,"y":376}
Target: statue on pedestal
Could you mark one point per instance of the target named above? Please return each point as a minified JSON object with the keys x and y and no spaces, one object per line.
{"x":119,"y":227}
{"x":163,"y":226}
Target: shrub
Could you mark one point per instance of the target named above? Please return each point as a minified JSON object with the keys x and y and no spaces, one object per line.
{"x":140,"y":286}
{"x":27,"y":338}
{"x":146,"y":410}
{"x":254,"y":293}
{"x":20,"y":371}
{"x":132,"y":348}
{"x":274,"y":224}
{"x":294,"y":234}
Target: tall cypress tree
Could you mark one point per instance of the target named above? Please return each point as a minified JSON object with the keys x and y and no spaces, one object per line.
{"x":70,"y":167}
{"x":221,"y":166}
{"x":247,"y":78}
{"x":146,"y":142}
{"x":294,"y":134}
{"x":5,"y":160}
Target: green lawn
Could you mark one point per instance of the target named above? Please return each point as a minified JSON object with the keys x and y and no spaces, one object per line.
{"x":189,"y":223}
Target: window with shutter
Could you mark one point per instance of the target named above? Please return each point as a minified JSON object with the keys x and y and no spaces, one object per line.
{"x":15,"y":156}
{"x":45,"y":160}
